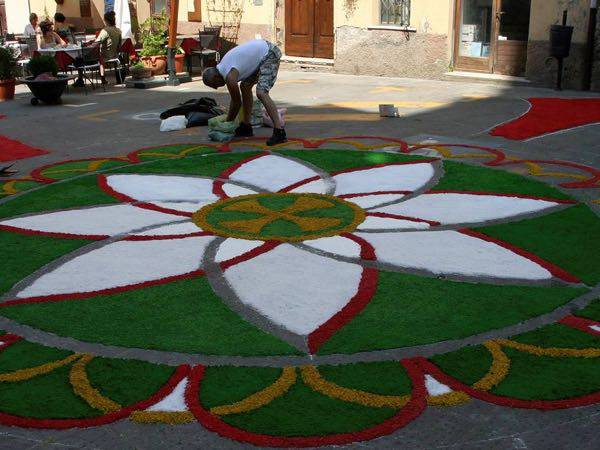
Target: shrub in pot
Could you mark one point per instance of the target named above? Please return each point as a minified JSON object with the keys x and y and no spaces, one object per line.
{"x":8,"y":73}
{"x":42,"y":64}
{"x":154,"y":36}
{"x":139,"y":71}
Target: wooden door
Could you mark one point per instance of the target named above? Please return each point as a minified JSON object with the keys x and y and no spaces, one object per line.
{"x":309,"y":28}
{"x":474,"y":35}
{"x":512,"y":37}
{"x":323,"y":45}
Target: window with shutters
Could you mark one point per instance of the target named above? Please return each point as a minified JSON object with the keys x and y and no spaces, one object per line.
{"x":158,"y":6}
{"x":395,"y":12}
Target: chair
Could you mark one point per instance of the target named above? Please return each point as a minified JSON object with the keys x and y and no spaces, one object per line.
{"x":88,"y":65}
{"x":117,"y":63}
{"x":210,"y":46}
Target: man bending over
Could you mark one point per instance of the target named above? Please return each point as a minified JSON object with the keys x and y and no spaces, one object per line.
{"x":255,"y":62}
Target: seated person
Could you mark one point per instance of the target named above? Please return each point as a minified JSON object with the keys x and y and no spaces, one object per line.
{"x":48,"y":38}
{"x":62,"y":28}
{"x":110,"y":39}
{"x":32,"y":29}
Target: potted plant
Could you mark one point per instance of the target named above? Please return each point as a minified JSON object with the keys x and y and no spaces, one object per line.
{"x":154,"y":36}
{"x":44,"y":83}
{"x":179,"y":60}
{"x":139,"y":71}
{"x":8,"y":72}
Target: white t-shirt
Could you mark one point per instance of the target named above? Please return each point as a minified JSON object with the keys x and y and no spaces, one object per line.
{"x":245,"y":58}
{"x":29,"y":31}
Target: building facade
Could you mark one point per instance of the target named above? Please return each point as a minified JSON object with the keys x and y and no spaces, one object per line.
{"x":406,"y":38}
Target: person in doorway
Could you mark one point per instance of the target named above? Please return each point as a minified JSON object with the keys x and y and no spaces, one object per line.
{"x":254,"y":62}
{"x":110,"y":40}
{"x":48,"y":38}
{"x":32,"y":29}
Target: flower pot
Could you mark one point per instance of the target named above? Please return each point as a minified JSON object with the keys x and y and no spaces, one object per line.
{"x":158,"y":64}
{"x":140,"y":73}
{"x":179,"y":63}
{"x":7,"y":90}
{"x":48,"y":91}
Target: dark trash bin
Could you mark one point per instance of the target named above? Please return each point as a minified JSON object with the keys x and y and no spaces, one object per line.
{"x":560,"y":40}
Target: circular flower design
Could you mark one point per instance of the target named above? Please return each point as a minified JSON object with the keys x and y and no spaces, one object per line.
{"x":321,"y":238}
{"x":302,"y":285}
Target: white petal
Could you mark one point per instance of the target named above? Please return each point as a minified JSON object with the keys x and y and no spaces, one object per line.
{"x":232,"y":248}
{"x":233,"y":190}
{"x":295,"y":289}
{"x":455,"y":208}
{"x":392,"y":177}
{"x":388,"y":223}
{"x":174,"y":402}
{"x":121,"y":264}
{"x":162,"y":188}
{"x":337,"y":245}
{"x":370,"y":201}
{"x":453,"y":253}
{"x":98,"y":221}
{"x":186,"y":207}
{"x":315,"y":186}
{"x":176,"y":229}
{"x":434,"y":387}
{"x":271,"y":172}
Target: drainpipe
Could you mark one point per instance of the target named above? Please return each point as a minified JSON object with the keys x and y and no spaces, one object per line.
{"x":589,"y":57}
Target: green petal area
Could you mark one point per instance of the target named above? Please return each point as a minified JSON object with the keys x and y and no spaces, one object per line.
{"x":336,"y":160}
{"x":548,"y":378}
{"x":592,"y":311}
{"x":81,"y":192}
{"x":410,"y":310}
{"x":23,"y":255}
{"x":24,"y":355}
{"x":184,"y":316}
{"x":569,"y":238}
{"x":210,"y":165}
{"x":469,"y":364}
{"x":47,"y":396}
{"x":77,"y":168}
{"x":384,"y":378}
{"x":304,"y":412}
{"x":224,"y":385}
{"x":10,"y":188}
{"x":559,"y":336}
{"x":462,"y":177}
{"x":127,"y":381}
{"x":173,"y":151}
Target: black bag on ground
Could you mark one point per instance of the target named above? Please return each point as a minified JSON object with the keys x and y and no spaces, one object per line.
{"x":204,"y":104}
{"x":200,"y":119}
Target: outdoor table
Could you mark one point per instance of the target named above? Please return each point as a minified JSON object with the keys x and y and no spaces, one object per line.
{"x":65,"y":56}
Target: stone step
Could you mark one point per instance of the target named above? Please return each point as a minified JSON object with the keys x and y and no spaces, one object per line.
{"x":300,"y":64}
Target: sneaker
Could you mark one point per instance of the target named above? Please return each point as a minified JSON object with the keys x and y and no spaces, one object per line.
{"x":244,"y":130}
{"x":278,"y":137}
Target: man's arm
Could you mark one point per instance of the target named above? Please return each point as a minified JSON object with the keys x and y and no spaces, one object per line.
{"x":234,"y":92}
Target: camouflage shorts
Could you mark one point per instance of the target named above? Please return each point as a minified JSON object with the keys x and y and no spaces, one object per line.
{"x":265,"y":76}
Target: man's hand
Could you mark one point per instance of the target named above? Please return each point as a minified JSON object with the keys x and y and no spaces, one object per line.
{"x":234,"y":91}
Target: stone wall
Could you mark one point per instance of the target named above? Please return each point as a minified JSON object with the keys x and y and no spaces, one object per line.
{"x":360,"y":51}
{"x":543,"y":70}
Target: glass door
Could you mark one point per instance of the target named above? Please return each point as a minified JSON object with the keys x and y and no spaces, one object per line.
{"x":475,"y":31}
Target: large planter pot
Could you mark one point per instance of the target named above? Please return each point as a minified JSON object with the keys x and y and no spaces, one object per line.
{"x":140,"y":73}
{"x":158,"y":64}
{"x":7,"y":90}
{"x":179,"y":63}
{"x":48,"y":91}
